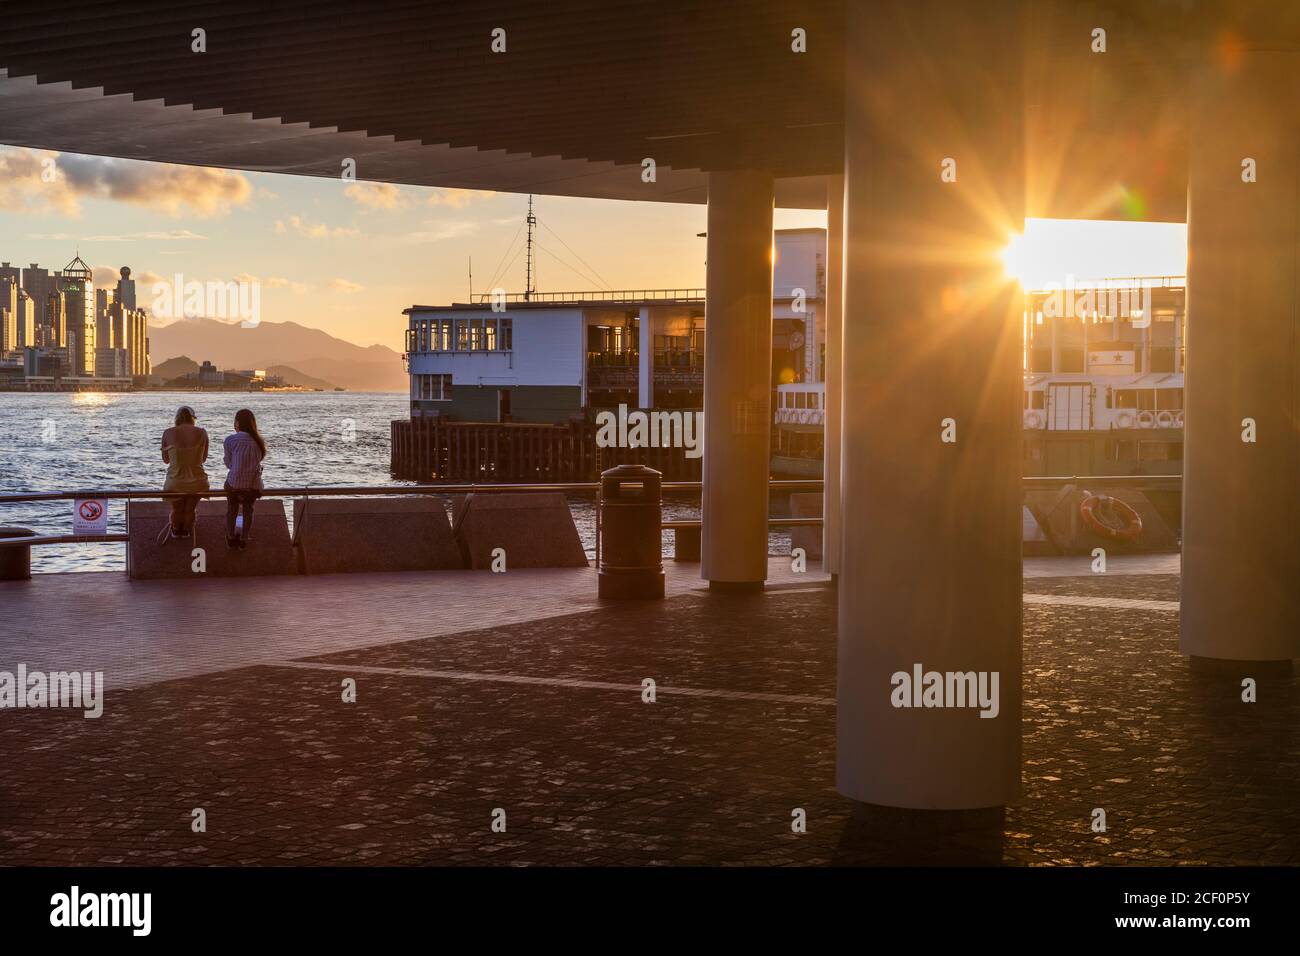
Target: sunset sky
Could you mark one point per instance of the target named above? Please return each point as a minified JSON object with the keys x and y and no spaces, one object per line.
{"x":348,"y":258}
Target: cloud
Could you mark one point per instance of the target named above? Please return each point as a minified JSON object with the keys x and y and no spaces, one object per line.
{"x":272,"y":282}
{"x":313,"y":230}
{"x":280,"y":282}
{"x":29,"y":182}
{"x":104,"y":276}
{"x":107,"y":276}
{"x":438,"y":231}
{"x":457,"y":198}
{"x":41,"y":181}
{"x":172,"y":235}
{"x":377,"y":195}
{"x":345,"y":286}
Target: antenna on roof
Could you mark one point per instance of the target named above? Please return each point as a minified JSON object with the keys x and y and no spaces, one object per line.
{"x":528,"y":263}
{"x":471,"y":280}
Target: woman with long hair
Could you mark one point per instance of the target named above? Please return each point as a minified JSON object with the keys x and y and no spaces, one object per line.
{"x":184,"y":449}
{"x":244,"y":451}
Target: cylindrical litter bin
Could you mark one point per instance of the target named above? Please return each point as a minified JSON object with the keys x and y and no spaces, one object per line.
{"x":16,"y":559}
{"x":631,"y":560}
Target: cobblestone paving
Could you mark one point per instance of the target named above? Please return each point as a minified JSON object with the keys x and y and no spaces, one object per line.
{"x":411,"y":773}
{"x":1158,"y":587}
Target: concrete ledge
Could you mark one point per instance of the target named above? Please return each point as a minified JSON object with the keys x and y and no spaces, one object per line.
{"x":339,"y":535}
{"x":805,"y":504}
{"x":536,"y":530}
{"x":1057,"y":514}
{"x":269,"y":552}
{"x":686,"y":545}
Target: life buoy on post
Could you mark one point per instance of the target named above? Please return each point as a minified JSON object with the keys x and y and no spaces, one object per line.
{"x":1033,"y":420}
{"x":1178,"y":418}
{"x":1124,"y":420}
{"x":1165,"y":419}
{"x":1110,"y":517}
{"x":1146,"y":418}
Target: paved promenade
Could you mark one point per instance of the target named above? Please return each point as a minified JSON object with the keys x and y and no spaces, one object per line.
{"x":472,"y":698}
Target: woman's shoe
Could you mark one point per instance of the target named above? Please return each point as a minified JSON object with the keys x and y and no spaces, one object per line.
{"x":232,"y":543}
{"x":242,"y":543}
{"x":177,"y":534}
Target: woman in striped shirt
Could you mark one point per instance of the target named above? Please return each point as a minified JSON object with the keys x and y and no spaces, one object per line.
{"x":245,"y":450}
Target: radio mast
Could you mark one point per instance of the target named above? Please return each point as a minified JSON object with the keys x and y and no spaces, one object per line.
{"x":528,"y":262}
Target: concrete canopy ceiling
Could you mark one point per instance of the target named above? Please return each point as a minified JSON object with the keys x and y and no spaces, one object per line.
{"x":586,"y":90}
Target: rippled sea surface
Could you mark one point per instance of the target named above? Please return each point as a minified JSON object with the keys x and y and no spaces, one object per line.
{"x":100,"y":441}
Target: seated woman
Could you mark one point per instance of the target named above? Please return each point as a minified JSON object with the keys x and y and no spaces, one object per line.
{"x":244,"y":451}
{"x":185,"y":449}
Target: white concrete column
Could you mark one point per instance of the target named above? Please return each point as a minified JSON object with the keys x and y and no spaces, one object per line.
{"x":1055,"y":322}
{"x":1086,"y":320}
{"x":645,"y":392}
{"x":1241,"y":506}
{"x":810,"y":344}
{"x":1178,"y":345}
{"x":930,"y":577}
{"x":737,"y":379}
{"x":834,"y":372}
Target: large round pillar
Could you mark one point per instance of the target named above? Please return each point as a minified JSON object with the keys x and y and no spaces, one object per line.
{"x":930,"y":579}
{"x":1241,"y":498}
{"x":834,"y":373}
{"x":737,"y":379}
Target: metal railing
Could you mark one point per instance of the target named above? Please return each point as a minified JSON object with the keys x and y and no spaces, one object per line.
{"x":1093,"y":482}
{"x":347,"y":491}
{"x":613,"y":295}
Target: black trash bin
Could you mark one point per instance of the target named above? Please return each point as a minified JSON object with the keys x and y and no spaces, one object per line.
{"x":631,"y":559}
{"x":16,"y":559}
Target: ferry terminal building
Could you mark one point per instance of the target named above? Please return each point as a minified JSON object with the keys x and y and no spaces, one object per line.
{"x":556,"y":357}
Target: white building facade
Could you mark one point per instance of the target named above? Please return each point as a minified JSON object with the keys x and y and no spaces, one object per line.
{"x":553,"y":357}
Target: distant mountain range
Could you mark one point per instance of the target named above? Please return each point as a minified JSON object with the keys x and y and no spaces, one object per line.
{"x":310,"y":357}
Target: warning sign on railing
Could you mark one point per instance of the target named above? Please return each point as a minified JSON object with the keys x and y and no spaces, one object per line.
{"x":90,"y":516}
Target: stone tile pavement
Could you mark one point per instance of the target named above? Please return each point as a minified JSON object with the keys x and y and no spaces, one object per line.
{"x":139,"y":632}
{"x":544,"y":719}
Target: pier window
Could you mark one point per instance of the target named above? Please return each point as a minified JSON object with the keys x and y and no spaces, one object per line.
{"x":462,"y":335}
{"x":431,"y":388}
{"x":1169,"y":399}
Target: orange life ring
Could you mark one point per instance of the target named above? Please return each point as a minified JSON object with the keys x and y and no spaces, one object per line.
{"x":1103,"y":514}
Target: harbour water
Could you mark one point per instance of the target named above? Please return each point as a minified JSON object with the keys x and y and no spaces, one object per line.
{"x":101,"y":441}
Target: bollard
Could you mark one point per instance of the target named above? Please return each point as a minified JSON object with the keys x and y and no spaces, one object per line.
{"x":16,"y":559}
{"x":631,"y":561}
